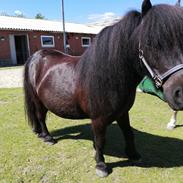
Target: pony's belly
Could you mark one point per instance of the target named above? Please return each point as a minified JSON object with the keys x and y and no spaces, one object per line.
{"x":69,"y":112}
{"x":67,"y":115}
{"x":64,"y":106}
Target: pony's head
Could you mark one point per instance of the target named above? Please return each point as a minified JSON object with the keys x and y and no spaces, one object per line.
{"x":161,"y":47}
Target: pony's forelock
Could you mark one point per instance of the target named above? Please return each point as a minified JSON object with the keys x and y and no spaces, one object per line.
{"x":160,"y":33}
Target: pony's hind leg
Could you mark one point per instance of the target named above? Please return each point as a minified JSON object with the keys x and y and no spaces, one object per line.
{"x":37,"y":115}
{"x":99,"y":129}
{"x":36,"y":127}
{"x":35,"y":110}
{"x":130,"y":149}
{"x":41,"y":122}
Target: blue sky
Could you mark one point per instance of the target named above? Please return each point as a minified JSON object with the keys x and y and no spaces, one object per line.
{"x":76,"y":11}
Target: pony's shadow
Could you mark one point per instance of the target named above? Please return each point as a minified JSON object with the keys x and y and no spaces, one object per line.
{"x":156,"y":151}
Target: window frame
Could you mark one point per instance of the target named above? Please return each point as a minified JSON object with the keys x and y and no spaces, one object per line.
{"x":47,"y":46}
{"x":84,"y":45}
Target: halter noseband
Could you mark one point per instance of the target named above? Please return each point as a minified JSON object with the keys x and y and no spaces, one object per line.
{"x":158,"y":79}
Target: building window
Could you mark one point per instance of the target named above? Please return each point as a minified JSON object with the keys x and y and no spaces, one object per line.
{"x":47,"y":41}
{"x":85,"y":41}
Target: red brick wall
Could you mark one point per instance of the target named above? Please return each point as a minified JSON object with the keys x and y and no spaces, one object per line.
{"x":35,"y":40}
{"x":74,"y":40}
{"x":4,"y":46}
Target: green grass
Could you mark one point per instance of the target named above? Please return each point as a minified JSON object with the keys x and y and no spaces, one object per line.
{"x":25,"y":158}
{"x":10,"y":67}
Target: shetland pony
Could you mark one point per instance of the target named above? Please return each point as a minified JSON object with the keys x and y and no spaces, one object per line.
{"x":101,"y":84}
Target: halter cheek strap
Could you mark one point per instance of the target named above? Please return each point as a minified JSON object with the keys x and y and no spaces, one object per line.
{"x":158,"y":79}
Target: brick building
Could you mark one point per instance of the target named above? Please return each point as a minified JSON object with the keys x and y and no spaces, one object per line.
{"x":21,"y":37}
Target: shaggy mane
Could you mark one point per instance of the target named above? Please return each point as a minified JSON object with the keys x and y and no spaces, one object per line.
{"x":104,"y":68}
{"x":106,"y":59}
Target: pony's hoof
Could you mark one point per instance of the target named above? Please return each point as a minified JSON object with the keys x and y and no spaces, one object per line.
{"x":48,"y":139}
{"x":101,"y":170}
{"x":50,"y":142}
{"x":170,"y":127}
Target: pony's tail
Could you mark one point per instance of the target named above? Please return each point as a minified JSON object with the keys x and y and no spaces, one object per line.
{"x":30,"y":97}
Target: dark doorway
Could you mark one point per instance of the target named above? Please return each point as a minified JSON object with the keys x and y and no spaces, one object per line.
{"x":21,"y":49}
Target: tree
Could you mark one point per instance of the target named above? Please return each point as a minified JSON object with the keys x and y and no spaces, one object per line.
{"x":4,"y":14}
{"x":17,"y":14}
{"x":39,"y":16}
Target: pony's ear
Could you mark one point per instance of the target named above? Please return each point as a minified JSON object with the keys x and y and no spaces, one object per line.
{"x":146,"y":6}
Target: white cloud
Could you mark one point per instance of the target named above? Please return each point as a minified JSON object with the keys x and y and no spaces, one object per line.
{"x":18,"y":12}
{"x":105,"y":18}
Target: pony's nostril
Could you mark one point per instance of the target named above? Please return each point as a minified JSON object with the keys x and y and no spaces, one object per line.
{"x":178,"y":95}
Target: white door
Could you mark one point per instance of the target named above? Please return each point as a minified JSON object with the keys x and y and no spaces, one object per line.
{"x":13,"y":49}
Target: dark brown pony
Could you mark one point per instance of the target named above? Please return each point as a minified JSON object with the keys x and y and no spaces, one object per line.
{"x":101,"y":84}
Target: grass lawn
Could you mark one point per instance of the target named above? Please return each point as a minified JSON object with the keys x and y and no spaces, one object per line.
{"x":11,"y":67}
{"x":25,"y":158}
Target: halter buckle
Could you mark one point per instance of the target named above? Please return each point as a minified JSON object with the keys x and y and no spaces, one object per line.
{"x":158,"y":81}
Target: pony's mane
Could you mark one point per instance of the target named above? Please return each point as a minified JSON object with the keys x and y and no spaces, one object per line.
{"x":103,"y":65}
{"x":161,"y":34}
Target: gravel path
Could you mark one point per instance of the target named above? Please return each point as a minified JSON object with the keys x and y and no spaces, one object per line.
{"x":11,"y":78}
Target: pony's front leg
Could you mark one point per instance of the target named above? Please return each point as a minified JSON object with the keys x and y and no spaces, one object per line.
{"x":171,"y":125}
{"x":130,"y":149}
{"x":99,"y":129}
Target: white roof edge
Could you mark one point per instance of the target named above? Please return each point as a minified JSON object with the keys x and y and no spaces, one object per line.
{"x":26,"y":24}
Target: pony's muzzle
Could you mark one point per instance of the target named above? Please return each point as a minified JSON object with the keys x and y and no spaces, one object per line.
{"x":178,"y":96}
{"x":173,"y":91}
